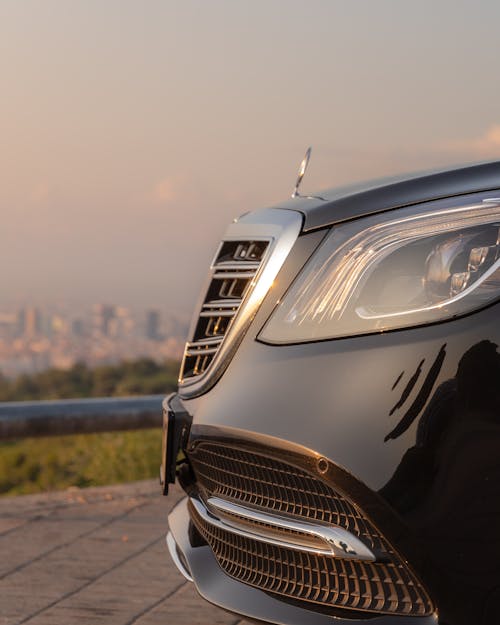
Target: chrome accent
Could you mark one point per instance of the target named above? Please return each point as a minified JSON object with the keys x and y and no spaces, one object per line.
{"x":233,"y":274}
{"x":193,"y":351}
{"x":282,"y":531}
{"x":219,"y":313}
{"x":239,"y":266}
{"x":172,"y":548}
{"x":210,"y":340}
{"x":302,"y":171}
{"x":217,"y":304}
{"x":279,"y":229}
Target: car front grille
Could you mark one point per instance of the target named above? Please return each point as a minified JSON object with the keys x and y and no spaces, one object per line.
{"x":233,"y":272}
{"x":266,"y":482}
{"x":246,"y":264}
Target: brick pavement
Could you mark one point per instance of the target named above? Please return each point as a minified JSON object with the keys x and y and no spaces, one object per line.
{"x":96,"y":555}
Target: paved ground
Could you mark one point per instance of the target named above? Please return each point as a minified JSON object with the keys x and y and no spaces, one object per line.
{"x":94,"y":556}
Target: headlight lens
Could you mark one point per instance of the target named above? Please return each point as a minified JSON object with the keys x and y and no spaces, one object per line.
{"x":405,"y":268}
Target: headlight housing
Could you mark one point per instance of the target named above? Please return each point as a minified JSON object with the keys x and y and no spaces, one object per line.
{"x":398,"y":269}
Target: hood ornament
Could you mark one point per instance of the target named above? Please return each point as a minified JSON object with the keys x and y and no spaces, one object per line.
{"x":302,"y":171}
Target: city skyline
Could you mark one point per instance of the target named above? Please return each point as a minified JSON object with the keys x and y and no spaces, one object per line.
{"x":133,"y":133}
{"x":36,"y":338}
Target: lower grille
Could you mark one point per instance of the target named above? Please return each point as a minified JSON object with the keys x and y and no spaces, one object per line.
{"x":248,"y":477}
{"x":259,"y":477}
{"x":385,"y":588}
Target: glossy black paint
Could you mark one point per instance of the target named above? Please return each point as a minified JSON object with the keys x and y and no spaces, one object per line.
{"x":375,"y":196}
{"x":409,"y":420}
{"x":447,"y":488}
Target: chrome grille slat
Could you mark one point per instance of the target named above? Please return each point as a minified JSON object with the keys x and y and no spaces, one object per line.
{"x":233,"y":275}
{"x":217,"y":313}
{"x":207,"y":351}
{"x":217,"y":304}
{"x":208,"y":341}
{"x":239,"y":266}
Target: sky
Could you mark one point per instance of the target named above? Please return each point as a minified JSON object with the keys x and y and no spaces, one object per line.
{"x":132,"y":132}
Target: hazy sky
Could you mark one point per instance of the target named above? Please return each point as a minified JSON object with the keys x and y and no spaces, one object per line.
{"x":132,"y":132}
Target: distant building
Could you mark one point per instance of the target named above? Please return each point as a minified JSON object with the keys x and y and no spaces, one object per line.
{"x":8,"y":325}
{"x":122,"y":325}
{"x":32,"y":322}
{"x":153,"y":325}
{"x":78,"y":327}
{"x":21,"y":319}
{"x":102,"y":319}
{"x":58,"y":326}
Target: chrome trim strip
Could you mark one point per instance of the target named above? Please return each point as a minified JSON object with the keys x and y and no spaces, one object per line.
{"x":172,"y":548}
{"x":233,"y":275}
{"x":217,"y":313}
{"x":209,"y":340}
{"x":215,"y":304}
{"x":337,"y":541}
{"x":280,"y":228}
{"x":242,"y":266}
{"x":204,"y":351}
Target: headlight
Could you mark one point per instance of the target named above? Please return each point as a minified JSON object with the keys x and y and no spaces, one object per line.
{"x":403,"y":268}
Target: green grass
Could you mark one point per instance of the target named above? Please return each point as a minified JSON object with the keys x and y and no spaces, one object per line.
{"x":34,"y":465}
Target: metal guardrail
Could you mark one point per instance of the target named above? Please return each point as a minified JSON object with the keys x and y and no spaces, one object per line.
{"x":79,"y":416}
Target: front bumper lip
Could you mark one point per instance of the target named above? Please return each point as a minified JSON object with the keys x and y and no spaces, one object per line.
{"x":174,"y":554}
{"x":220,"y":589}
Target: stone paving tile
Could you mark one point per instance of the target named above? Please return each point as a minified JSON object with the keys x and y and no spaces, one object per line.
{"x":35,"y":539}
{"x":123,"y":593}
{"x":8,"y":524}
{"x":95,"y":556}
{"x":47,"y":525}
{"x":58,"y":555}
{"x":72,"y":567}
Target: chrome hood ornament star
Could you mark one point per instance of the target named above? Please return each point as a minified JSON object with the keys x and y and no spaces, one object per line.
{"x":302,"y":171}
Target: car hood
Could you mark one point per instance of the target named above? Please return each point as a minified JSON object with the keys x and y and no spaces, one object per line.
{"x":373,"y":196}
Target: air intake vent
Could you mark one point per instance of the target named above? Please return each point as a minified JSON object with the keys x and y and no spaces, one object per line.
{"x":259,"y":478}
{"x":246,"y":263}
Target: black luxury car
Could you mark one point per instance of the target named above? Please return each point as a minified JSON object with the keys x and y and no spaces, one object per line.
{"x":337,"y":425}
